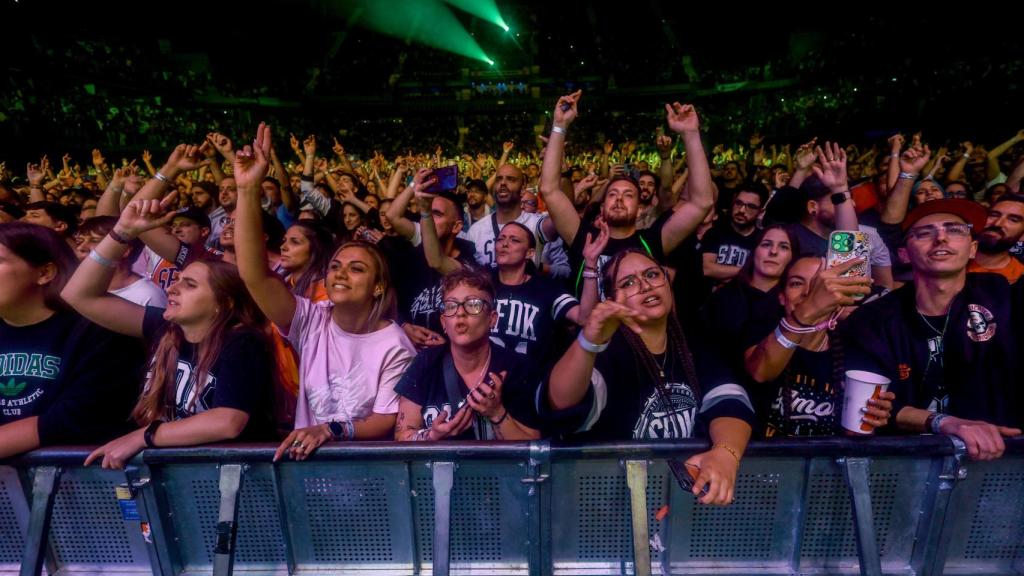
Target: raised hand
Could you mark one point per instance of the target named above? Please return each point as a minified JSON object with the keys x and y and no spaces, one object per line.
{"x":594,"y":247}
{"x":221,"y":143}
{"x":293,"y":142}
{"x":507,"y":146}
{"x":309,"y":145}
{"x":664,"y":144}
{"x":423,"y":179}
{"x":147,"y":157}
{"x":35,"y":174}
{"x":97,"y":158}
{"x":682,"y":118}
{"x":252,"y":162}
{"x":337,"y":148}
{"x":755,"y":139}
{"x":141,"y":216}
{"x":805,"y":155}
{"x":913,"y":160}
{"x":606,"y":318}
{"x":566,"y":109}
{"x":833,"y":166}
{"x":185,"y":157}
{"x":896,"y":142}
{"x":609,"y":146}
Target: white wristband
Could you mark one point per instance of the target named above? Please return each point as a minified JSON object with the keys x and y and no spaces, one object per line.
{"x":163,"y":178}
{"x":590,"y":346}
{"x":782,"y":340}
{"x":558,"y":130}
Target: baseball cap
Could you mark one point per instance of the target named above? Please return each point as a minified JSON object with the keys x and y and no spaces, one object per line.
{"x":972,"y":212}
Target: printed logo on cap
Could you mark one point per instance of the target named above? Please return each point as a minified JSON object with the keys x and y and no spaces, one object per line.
{"x":980,"y":324}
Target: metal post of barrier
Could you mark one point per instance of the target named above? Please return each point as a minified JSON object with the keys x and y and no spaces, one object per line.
{"x":930,"y":557}
{"x":444,"y":480}
{"x":227,"y":520}
{"x":286,"y":525}
{"x":161,"y":558}
{"x":44,"y":490}
{"x":636,"y":480}
{"x":855,"y":472}
{"x":539,"y":526}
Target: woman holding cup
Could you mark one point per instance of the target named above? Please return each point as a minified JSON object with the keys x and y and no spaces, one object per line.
{"x":802,"y":357}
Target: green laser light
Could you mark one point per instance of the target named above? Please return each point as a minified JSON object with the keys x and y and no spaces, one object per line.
{"x":491,"y":62}
{"x":505,"y":27}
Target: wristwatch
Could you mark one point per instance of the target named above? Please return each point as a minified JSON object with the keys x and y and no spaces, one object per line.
{"x":149,"y":436}
{"x":840,"y":197}
{"x":337,"y":430}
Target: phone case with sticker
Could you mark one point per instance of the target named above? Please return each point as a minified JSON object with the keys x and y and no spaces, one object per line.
{"x":846,"y":245}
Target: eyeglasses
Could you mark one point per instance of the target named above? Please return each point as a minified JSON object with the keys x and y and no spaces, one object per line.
{"x":472,"y":306}
{"x":530,"y":203}
{"x":631,"y":286}
{"x":931,"y":231}
{"x":746,"y":206}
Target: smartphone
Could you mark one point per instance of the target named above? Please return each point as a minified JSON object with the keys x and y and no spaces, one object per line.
{"x":447,"y":179}
{"x":846,"y":245}
{"x":686,"y":475}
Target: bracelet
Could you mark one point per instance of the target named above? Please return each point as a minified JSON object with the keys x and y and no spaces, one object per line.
{"x":591,"y":275}
{"x":967,"y":156}
{"x":907,"y":176}
{"x":782,"y":340}
{"x":558,"y":130}
{"x":149,"y":436}
{"x":163,"y":178}
{"x":590,"y":346}
{"x":500,"y":420}
{"x":101,"y":259}
{"x":422,"y":435}
{"x":728,"y":449}
{"x":934,"y":422}
{"x":117,"y":237}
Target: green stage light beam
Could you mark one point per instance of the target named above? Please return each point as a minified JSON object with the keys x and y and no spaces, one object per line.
{"x":426,"y":22}
{"x":482,"y":9}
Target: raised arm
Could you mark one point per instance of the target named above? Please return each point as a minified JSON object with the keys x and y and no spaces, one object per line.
{"x":270,"y":292}
{"x":832,"y":173}
{"x":666,"y":173}
{"x":436,"y":258}
{"x":911,"y":163}
{"x":992,"y":167}
{"x":683,"y":120}
{"x":109,"y":203}
{"x":288,"y":198}
{"x":956,"y":172}
{"x":804,"y":159}
{"x":560,"y":208}
{"x":86,"y":291}
{"x":100,"y":164}
{"x":36,"y":174}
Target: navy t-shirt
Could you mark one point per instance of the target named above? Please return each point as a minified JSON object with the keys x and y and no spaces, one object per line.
{"x":528,"y":314}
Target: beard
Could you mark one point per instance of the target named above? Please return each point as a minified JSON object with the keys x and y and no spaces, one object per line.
{"x":992,"y":244}
{"x":620,"y":219}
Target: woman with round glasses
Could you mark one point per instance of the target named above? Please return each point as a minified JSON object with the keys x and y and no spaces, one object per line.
{"x":467,"y":388}
{"x":631,"y":374}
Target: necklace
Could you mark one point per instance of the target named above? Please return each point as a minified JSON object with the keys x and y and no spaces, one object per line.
{"x":928,"y":323}
{"x":661,"y":365}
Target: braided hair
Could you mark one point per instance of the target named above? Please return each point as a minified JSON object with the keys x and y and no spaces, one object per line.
{"x":677,"y":345}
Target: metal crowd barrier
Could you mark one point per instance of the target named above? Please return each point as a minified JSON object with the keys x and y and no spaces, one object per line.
{"x":910,"y":505}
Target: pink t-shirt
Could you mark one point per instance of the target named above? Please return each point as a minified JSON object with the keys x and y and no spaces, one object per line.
{"x":344,"y":376}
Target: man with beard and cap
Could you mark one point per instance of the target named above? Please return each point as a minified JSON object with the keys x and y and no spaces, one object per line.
{"x":949,"y":341}
{"x":621,"y":203}
{"x":727,"y":246}
{"x":1003,"y":229}
{"x":476,"y":203}
{"x":508,"y":189}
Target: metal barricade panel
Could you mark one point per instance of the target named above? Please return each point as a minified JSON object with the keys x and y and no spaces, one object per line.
{"x":13,"y":520}
{"x":756,"y":532}
{"x":89,"y":532}
{"x":193,"y":496}
{"x":353,"y":517}
{"x":591,"y":522}
{"x":488,"y":517}
{"x":897,"y":496}
{"x":987,"y":519}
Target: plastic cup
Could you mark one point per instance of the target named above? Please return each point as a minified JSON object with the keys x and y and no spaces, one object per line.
{"x":861,"y":386}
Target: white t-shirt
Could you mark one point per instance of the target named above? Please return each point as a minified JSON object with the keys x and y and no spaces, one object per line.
{"x":144,"y":293}
{"x":344,"y":376}
{"x":484,"y":232}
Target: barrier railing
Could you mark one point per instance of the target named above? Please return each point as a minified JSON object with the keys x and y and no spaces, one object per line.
{"x":910,"y":505}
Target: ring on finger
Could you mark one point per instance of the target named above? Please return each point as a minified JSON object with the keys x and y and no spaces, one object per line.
{"x":296,"y":443}
{"x":490,"y":395}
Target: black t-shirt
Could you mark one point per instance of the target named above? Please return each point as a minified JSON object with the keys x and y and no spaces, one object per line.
{"x":624,"y":402}
{"x":729,"y":246}
{"x":982,"y":346}
{"x":81,"y":380}
{"x":689,"y":286}
{"x":810,"y":243}
{"x":241,"y":377}
{"x":528,"y":313}
{"x":807,"y":400}
{"x":647,"y":240}
{"x":418,"y":286}
{"x":424,"y":384}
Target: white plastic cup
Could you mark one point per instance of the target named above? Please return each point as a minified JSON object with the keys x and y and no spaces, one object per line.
{"x":861,"y":386}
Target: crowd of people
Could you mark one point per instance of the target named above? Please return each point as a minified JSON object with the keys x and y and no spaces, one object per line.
{"x":287,"y":290}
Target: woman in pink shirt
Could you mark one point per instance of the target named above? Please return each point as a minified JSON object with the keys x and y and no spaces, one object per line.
{"x":351,"y":353}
